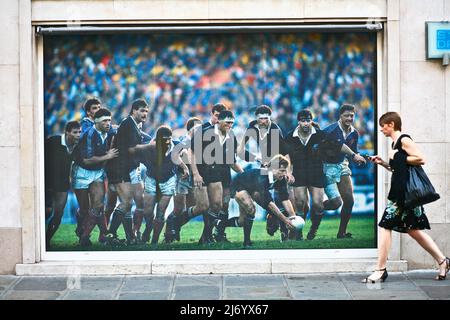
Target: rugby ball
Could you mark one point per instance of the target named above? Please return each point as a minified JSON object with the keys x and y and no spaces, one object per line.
{"x":298,"y":222}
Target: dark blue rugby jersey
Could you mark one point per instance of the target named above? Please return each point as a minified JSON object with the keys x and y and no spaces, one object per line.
{"x":206,"y":125}
{"x":91,"y":145}
{"x":335,"y":132}
{"x":268,"y":146}
{"x":256,"y":183}
{"x":208,"y":141}
{"x":307,"y":159}
{"x":86,"y":123}
{"x":167,"y":168}
{"x":58,"y":161}
{"x":128,"y":135}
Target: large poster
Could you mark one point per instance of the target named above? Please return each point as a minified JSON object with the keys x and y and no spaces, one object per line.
{"x":277,"y":125}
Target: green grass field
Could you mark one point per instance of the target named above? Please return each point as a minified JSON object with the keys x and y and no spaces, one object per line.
{"x":362,"y":228}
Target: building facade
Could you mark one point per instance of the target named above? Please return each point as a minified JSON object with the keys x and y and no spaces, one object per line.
{"x":407,"y":82}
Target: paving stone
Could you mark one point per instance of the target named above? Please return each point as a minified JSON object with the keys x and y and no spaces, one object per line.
{"x":90,"y":295}
{"x":426,"y":279}
{"x":100,"y":283}
{"x":320,"y":289}
{"x":197,"y":293}
{"x":252,"y":280}
{"x":198,"y":280}
{"x":437,"y":292}
{"x":257,"y":293}
{"x":42,"y":284}
{"x":7,"y":280}
{"x":31,"y":295}
{"x":388,"y":295}
{"x":333,"y":295}
{"x":144,"y":296}
{"x":428,"y":274}
{"x":147,"y":284}
{"x":328,"y":284}
{"x":313,"y":277}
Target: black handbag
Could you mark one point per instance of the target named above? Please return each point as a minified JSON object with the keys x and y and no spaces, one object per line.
{"x":419,"y":190}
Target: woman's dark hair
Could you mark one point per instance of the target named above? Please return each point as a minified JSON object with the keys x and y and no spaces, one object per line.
{"x":389,"y":117}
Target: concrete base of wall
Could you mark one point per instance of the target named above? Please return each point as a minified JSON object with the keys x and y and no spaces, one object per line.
{"x":10,"y":249}
{"x":204,"y":267}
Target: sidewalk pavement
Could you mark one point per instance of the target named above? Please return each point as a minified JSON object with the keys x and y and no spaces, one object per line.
{"x":411,"y":285}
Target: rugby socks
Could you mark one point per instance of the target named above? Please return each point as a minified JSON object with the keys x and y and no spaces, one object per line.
{"x":90,"y":222}
{"x":128,"y":225}
{"x":315,"y":223}
{"x":185,"y":216}
{"x":53,"y":225}
{"x":248,"y":223}
{"x":345,"y":218}
{"x":148,"y":227}
{"x":137,"y":219}
{"x":232,"y":222}
{"x":158,"y":224}
{"x":223,"y":216}
{"x":79,"y":229}
{"x":208,"y":220}
{"x":170,"y":226}
{"x":117,"y":218}
{"x":102,"y":225}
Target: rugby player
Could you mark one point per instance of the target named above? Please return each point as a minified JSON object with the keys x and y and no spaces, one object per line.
{"x":214,"y":153}
{"x":255,"y":185}
{"x":219,"y":235}
{"x":91,"y":106}
{"x":189,"y":201}
{"x":161,"y":164}
{"x":264,"y":134}
{"x":124,"y":172}
{"x":90,"y":157}
{"x":58,"y":161}
{"x":338,"y":182}
{"x":303,"y":146}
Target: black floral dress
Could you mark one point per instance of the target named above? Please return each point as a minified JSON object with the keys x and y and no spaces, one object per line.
{"x":395,"y":217}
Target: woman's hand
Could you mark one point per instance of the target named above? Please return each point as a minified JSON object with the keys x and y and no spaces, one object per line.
{"x":376,"y":159}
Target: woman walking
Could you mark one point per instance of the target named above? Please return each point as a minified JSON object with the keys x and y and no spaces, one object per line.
{"x":404,"y":152}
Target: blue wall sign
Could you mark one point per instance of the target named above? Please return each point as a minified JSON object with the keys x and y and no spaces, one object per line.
{"x":437,"y":39}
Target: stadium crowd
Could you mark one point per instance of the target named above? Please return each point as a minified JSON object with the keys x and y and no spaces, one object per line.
{"x":182,"y":75}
